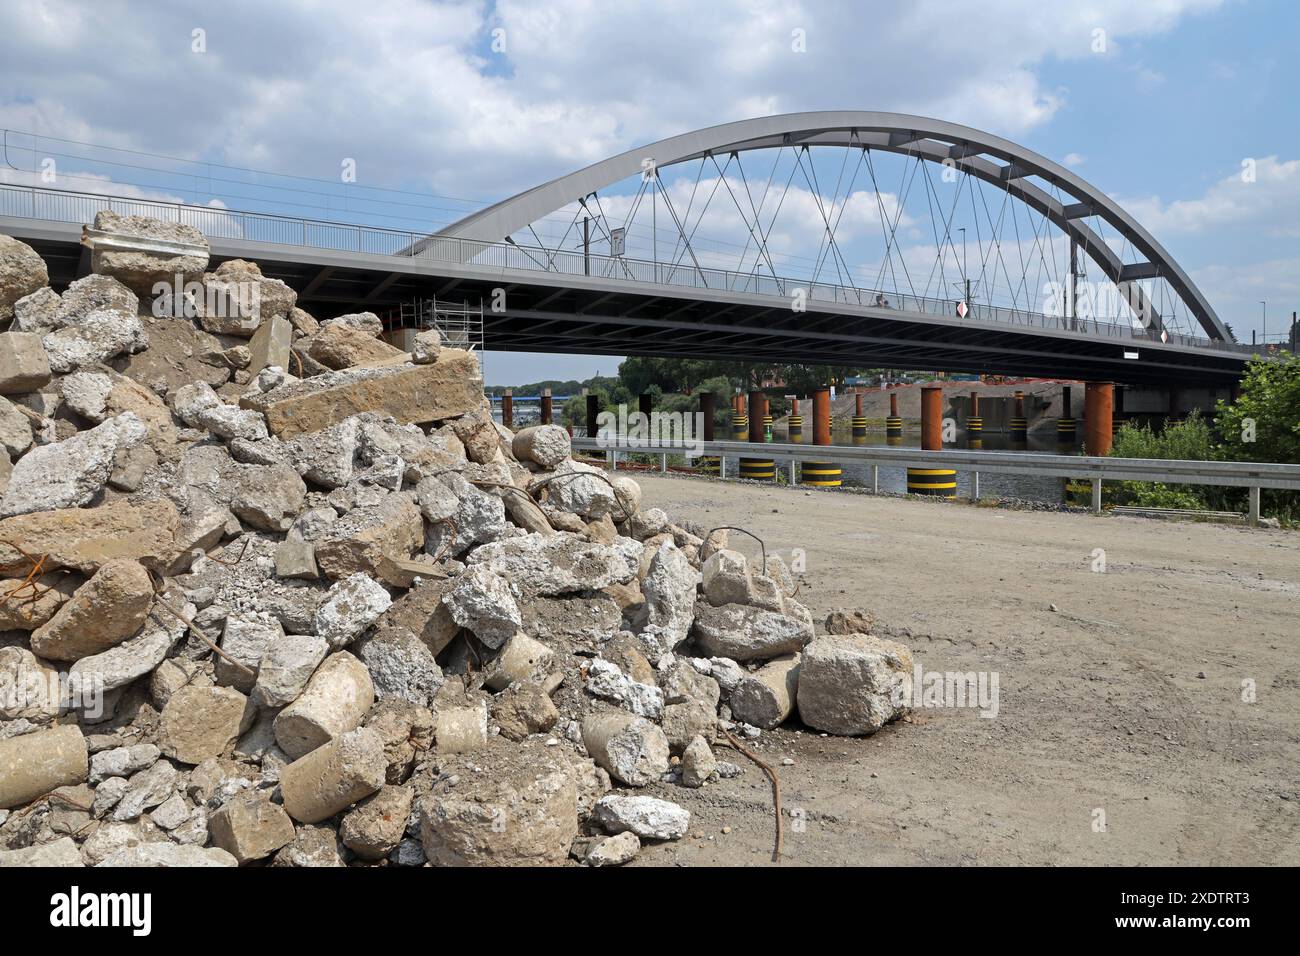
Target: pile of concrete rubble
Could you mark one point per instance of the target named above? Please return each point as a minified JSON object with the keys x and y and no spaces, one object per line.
{"x":276,"y":591}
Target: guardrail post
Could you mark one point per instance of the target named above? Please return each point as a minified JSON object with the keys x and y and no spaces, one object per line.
{"x":610,"y":459}
{"x":794,"y":477}
{"x":975,"y":486}
{"x":875,"y":479}
{"x":663,"y":462}
{"x":1096,"y":496}
{"x":1253,"y":517}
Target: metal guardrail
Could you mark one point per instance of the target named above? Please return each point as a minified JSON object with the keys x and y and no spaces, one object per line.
{"x":54,"y":205}
{"x":1232,"y":474}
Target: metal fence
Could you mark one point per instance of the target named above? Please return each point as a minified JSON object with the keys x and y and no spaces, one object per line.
{"x":1232,"y":474}
{"x":62,"y":206}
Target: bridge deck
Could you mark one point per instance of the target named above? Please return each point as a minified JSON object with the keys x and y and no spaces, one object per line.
{"x":638,"y":308}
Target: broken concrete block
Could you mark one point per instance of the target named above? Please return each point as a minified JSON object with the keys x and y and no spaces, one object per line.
{"x":340,"y":346}
{"x":727,"y":578}
{"x":145,"y":790}
{"x":85,"y":538}
{"x":286,"y":667}
{"x":520,"y":658}
{"x":400,"y":664}
{"x":336,"y":699}
{"x":122,"y":761}
{"x":522,"y":810}
{"x":29,"y":688}
{"x":607,"y":681}
{"x":525,"y":708}
{"x":250,"y":827}
{"x":409,"y":393}
{"x":630,"y":748}
{"x":669,"y":589}
{"x":62,"y":852}
{"x":333,"y":776}
{"x":202,"y":722}
{"x":168,"y":855}
{"x":270,"y":345}
{"x":140,"y":269}
{"x":96,"y":337}
{"x":407,"y":732}
{"x":268,"y":497}
{"x":614,"y":851}
{"x":375,"y":826}
{"x":698,"y":763}
{"x":545,"y":445}
{"x":425,"y":347}
{"x":461,"y":728}
{"x":359,"y":540}
{"x":69,"y":473}
{"x":745,"y":633}
{"x":104,"y":612}
{"x":353,"y":605}
{"x":538,"y":565}
{"x":22,"y":272}
{"x":767,"y":697}
{"x":848,"y":683}
{"x":647,"y":817}
{"x":683,"y":722}
{"x":842,"y":621}
{"x":24,"y":366}
{"x":34,"y":764}
{"x":245,"y":638}
{"x":481,"y":600}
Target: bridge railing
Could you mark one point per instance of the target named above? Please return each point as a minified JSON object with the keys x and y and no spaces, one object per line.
{"x":20,"y":201}
{"x":1251,"y":475}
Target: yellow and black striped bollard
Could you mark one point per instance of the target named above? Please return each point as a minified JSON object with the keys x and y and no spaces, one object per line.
{"x":1067,"y":430}
{"x":935,"y":482}
{"x":758,"y":469}
{"x":822,"y":474}
{"x":796,"y":428}
{"x":859,"y":430}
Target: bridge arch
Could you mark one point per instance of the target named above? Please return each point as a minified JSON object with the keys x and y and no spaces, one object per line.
{"x":989,"y":158}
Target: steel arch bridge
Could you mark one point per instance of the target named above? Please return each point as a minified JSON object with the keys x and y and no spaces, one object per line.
{"x":1051,"y":190}
{"x":689,"y":295}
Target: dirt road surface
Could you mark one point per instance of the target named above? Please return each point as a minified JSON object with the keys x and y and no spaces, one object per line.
{"x":1121,"y":737}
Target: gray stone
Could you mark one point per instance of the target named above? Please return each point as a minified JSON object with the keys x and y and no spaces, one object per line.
{"x":543,"y":565}
{"x":614,"y":851}
{"x":169,"y":855}
{"x":145,"y":790}
{"x":400,"y":664}
{"x":353,"y":605}
{"x":68,"y":474}
{"x":669,"y":589}
{"x":649,"y":818}
{"x":848,"y":684}
{"x":286,"y":667}
{"x":745,"y":633}
{"x":24,"y":366}
{"x":481,"y":600}
{"x":698,"y":763}
{"x":22,"y":272}
{"x":122,"y":761}
{"x":62,"y":852}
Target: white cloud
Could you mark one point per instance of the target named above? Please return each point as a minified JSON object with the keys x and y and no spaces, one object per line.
{"x":1264,"y":196}
{"x":412,"y":90}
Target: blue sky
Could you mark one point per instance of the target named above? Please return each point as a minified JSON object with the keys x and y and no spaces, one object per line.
{"x":1162,"y":118}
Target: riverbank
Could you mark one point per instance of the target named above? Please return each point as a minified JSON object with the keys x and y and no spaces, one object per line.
{"x":1121,"y":690}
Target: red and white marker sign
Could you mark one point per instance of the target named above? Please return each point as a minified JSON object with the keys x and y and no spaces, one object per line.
{"x":962,"y":310}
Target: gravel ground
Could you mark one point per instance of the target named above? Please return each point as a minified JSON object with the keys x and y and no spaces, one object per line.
{"x":1120,"y":692}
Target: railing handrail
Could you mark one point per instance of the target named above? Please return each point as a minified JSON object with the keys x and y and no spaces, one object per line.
{"x":1238,"y":474}
{"x":529,"y":258}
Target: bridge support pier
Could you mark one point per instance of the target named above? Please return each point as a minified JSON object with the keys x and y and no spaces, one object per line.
{"x":1019,"y":424}
{"x":761,"y":469}
{"x":1066,"y":427}
{"x":707,"y":463}
{"x":1098,"y":418}
{"x":593,"y":409}
{"x":546,"y":406}
{"x":508,"y":408}
{"x":936,"y":482}
{"x":975,"y":424}
{"x":822,"y":474}
{"x":739,"y":421}
{"x":859,"y":421}
{"x":893,"y":424}
{"x":795,"y":427}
